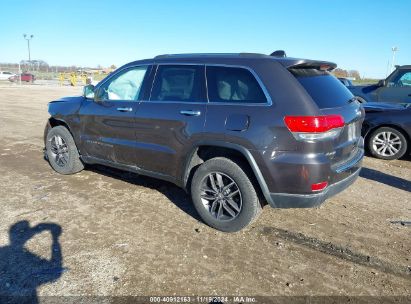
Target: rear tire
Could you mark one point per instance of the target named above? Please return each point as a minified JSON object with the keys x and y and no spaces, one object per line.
{"x":224,"y":196}
{"x":387,"y":143}
{"x":62,"y":152}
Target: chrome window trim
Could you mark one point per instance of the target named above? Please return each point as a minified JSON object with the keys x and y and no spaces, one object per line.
{"x":206,"y":84}
{"x":152,"y":83}
{"x":101,"y":83}
{"x":176,"y":101}
{"x":269,"y":101}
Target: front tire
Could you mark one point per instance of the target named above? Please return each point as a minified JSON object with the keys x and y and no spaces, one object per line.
{"x":224,"y":196}
{"x":387,"y":143}
{"x":62,"y":152}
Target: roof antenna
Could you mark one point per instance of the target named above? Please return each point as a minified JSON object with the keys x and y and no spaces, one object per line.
{"x":279,"y":53}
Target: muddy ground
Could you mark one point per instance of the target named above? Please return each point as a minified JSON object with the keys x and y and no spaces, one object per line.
{"x":124,"y":234}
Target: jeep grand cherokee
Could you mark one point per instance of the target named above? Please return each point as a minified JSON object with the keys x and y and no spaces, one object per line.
{"x":235,"y":130}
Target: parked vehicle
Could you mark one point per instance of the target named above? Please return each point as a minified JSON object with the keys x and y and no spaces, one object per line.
{"x":396,"y":88}
{"x":387,"y":129}
{"x":4,"y":75}
{"x":345,"y":81}
{"x":26,"y":77}
{"x":236,"y":130}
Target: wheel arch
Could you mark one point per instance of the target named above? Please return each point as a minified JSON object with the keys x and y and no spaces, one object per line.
{"x":54,"y":122}
{"x":209,"y":149}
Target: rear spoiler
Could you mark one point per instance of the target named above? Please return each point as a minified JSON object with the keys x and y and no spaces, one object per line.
{"x":317,"y":65}
{"x":291,"y":63}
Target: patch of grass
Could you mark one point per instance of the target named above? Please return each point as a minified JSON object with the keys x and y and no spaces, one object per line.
{"x":365,"y":81}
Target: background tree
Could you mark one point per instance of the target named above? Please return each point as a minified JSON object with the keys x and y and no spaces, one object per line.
{"x":344,"y":73}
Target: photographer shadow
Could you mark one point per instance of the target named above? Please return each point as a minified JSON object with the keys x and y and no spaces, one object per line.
{"x":22,"y":271}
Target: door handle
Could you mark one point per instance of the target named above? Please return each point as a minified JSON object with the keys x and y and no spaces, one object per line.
{"x":409,"y":95}
{"x":125,"y":109}
{"x":190,"y":113}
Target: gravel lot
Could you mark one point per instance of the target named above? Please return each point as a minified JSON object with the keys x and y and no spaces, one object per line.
{"x":124,"y":234}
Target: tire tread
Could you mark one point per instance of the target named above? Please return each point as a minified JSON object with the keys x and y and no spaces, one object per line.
{"x":74,"y":164}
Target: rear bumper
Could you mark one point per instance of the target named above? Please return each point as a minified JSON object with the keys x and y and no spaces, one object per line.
{"x":285,"y":200}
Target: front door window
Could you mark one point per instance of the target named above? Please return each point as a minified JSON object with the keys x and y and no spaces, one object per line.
{"x":125,"y":86}
{"x":402,"y":79}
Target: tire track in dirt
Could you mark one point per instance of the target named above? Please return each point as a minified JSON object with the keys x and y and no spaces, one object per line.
{"x":338,"y":251}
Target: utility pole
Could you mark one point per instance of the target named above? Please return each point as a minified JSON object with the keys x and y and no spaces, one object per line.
{"x":19,"y":74}
{"x":28,"y":38}
{"x":394,"y":49}
{"x":388,"y":69}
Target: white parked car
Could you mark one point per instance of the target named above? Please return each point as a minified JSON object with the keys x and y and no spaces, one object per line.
{"x":4,"y":75}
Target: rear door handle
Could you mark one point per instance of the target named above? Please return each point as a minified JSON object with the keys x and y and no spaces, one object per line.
{"x":190,"y":113}
{"x":124,"y":109}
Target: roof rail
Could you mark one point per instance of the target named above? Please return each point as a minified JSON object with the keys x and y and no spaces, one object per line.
{"x":243,"y":54}
{"x":162,"y":55}
{"x":192,"y":55}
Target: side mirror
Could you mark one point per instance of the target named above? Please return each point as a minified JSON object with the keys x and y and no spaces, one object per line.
{"x":99,"y":95}
{"x":382,"y":83}
{"x":88,"y":91}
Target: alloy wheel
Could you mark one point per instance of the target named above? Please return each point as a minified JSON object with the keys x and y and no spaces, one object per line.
{"x":59,"y":150}
{"x":386,"y":143}
{"x":221,"y":196}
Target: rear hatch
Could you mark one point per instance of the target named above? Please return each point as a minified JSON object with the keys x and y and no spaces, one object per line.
{"x":333,"y":98}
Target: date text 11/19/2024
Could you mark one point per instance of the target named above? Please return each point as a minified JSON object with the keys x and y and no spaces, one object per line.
{"x":202,"y":299}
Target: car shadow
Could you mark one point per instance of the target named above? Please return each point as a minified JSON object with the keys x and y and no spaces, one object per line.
{"x":387,"y":179}
{"x":21,"y":271}
{"x":175,"y":194}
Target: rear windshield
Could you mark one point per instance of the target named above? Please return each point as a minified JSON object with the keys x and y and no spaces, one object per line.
{"x":326,"y":90}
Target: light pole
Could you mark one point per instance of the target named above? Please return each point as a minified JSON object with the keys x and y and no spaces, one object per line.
{"x":393,"y":49}
{"x":28,"y":38}
{"x":19,"y":74}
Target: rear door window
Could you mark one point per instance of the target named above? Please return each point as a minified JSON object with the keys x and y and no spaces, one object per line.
{"x":179,"y":83}
{"x":326,"y":90}
{"x":233,"y":84}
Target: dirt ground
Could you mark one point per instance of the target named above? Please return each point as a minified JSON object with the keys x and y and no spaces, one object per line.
{"x":124,"y":234}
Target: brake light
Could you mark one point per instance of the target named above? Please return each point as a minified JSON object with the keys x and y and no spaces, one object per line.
{"x":312,"y":128}
{"x":319,"y":186}
{"x":313,"y":124}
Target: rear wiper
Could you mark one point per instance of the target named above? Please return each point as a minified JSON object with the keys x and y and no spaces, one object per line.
{"x":352,"y":100}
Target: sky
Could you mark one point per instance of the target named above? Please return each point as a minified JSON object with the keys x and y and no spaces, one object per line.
{"x":356,"y":35}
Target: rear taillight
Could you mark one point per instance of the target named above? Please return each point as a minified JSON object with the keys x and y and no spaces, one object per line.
{"x":311,"y":128}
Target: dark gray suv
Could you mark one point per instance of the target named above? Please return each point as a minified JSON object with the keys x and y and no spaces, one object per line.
{"x":235,"y":130}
